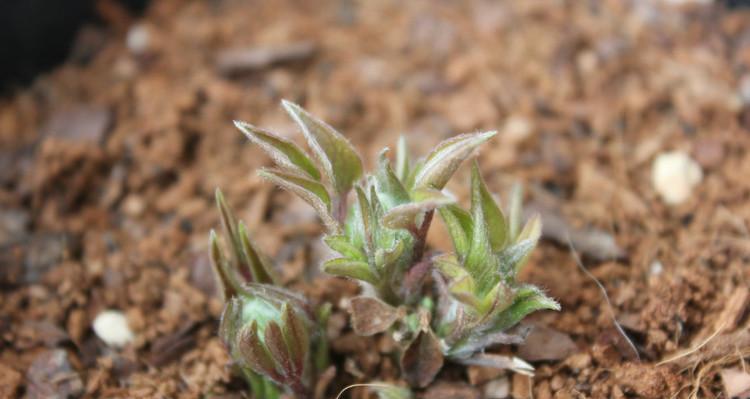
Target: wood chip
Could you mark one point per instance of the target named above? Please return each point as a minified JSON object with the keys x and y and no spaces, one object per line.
{"x":593,"y":243}
{"x":734,"y":309}
{"x":544,"y":343}
{"x":82,"y":123}
{"x":736,"y":383}
{"x":52,"y":376}
{"x":10,"y":381}
{"x":235,"y":61}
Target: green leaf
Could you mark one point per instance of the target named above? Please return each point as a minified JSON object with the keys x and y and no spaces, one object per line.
{"x":296,"y":336}
{"x":405,"y":216}
{"x":411,"y":176}
{"x":460,"y":284}
{"x":340,"y":243}
{"x":320,"y":355}
{"x":229,"y":224}
{"x":255,"y":355}
{"x":225,"y":281}
{"x":514,"y":256}
{"x":339,"y":159}
{"x":230,"y":323}
{"x":276,"y":346}
{"x":460,"y":226}
{"x":284,"y":152}
{"x":496,"y":224}
{"x":497,"y":299}
{"x":402,"y":159}
{"x":310,"y":191}
{"x":367,"y":219}
{"x":258,"y":264}
{"x":390,"y":190}
{"x":354,"y":269}
{"x":385,"y":256}
{"x":446,"y":158}
{"x":259,"y":385}
{"x":528,"y":299}
{"x":514,"y":221}
{"x":246,"y":263}
{"x":480,"y":261}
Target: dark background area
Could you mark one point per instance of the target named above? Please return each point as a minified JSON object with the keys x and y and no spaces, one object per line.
{"x":36,"y":35}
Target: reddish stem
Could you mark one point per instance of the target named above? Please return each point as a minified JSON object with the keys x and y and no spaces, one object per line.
{"x":421,"y":236}
{"x":339,"y":211}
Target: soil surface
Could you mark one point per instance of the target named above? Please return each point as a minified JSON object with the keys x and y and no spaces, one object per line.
{"x":109,"y":165}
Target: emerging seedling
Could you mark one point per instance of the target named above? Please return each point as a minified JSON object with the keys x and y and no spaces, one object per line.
{"x":442,"y":306}
{"x":273,"y":335}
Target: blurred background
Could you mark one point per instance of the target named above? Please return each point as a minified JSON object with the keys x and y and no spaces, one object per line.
{"x":626,"y":120}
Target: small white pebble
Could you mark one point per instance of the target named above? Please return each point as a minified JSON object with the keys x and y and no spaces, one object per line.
{"x":744,"y":89}
{"x":111,"y":326}
{"x":656,"y":268}
{"x":138,"y":39}
{"x":674,"y":175}
{"x":517,"y":129}
{"x":497,"y":389}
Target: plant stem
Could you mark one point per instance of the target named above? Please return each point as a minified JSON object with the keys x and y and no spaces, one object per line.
{"x":339,"y":211}
{"x":421,"y":237}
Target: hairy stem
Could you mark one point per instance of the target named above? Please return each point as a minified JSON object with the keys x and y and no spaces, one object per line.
{"x":339,"y":209}
{"x":421,"y":237}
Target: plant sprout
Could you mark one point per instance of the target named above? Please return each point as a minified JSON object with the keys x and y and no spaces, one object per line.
{"x":440,"y":307}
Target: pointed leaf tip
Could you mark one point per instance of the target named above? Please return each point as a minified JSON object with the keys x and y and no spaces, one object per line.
{"x":339,"y":159}
{"x":312,"y":192}
{"x":285,"y":153}
{"x":259,"y":267}
{"x":497,"y":227}
{"x":353,"y":269}
{"x":447,"y":156}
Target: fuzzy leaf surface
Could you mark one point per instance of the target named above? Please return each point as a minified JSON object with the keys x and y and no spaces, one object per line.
{"x":255,"y":355}
{"x":460,"y":283}
{"x":258,"y":263}
{"x":224,"y":280}
{"x":459,"y":225}
{"x":340,"y":243}
{"x":496,"y":224}
{"x":353,"y":269}
{"x":310,"y":191}
{"x":340,"y":161}
{"x":480,"y":261}
{"x":390,"y":190}
{"x":296,"y":336}
{"x":443,"y":161}
{"x":405,"y":216}
{"x":284,"y":152}
{"x":528,"y":299}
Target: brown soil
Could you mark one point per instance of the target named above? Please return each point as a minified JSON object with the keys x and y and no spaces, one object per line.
{"x":109,"y":163}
